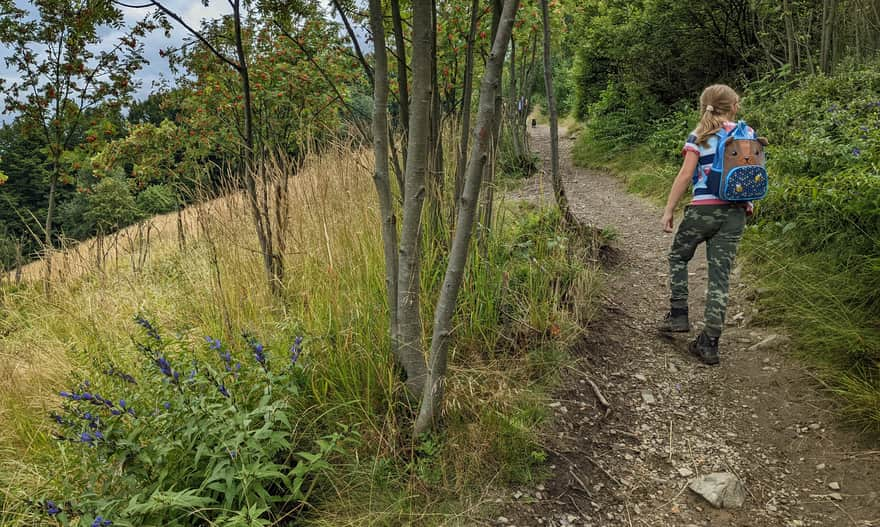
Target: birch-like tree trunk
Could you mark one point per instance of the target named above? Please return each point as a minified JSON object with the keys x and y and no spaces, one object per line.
{"x":409,"y":289}
{"x":402,"y":75}
{"x":829,"y":20}
{"x":436,"y":170}
{"x":381,"y":175}
{"x":467,"y":95}
{"x":556,"y":178}
{"x":432,"y":396}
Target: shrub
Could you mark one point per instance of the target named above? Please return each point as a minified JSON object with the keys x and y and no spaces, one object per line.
{"x":622,"y":116}
{"x":156,"y":199}
{"x":196,"y":438}
{"x":111,"y":206}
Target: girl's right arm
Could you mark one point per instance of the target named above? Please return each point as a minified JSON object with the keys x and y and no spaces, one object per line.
{"x":679,"y":187}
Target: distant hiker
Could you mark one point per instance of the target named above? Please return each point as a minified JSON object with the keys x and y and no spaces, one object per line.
{"x":708,"y":219}
{"x":534,"y":123}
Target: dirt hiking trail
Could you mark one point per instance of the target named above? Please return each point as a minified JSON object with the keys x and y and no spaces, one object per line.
{"x":759,"y":415}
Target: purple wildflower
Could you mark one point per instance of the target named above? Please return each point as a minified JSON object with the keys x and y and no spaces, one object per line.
{"x":296,"y":349}
{"x":223,"y":390}
{"x":144,"y":323}
{"x":51,"y":508}
{"x":856,"y":152}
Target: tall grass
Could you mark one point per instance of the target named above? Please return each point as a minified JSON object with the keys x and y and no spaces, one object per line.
{"x":523,"y":301}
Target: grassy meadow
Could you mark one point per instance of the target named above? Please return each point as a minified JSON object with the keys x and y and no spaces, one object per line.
{"x":526,"y":297}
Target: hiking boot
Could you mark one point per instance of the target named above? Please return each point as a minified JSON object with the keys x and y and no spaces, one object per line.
{"x":675,"y":321}
{"x":706,"y":348}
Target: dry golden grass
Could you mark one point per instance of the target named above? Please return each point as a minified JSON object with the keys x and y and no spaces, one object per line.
{"x":333,"y":244}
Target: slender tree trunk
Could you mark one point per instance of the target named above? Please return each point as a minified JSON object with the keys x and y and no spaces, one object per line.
{"x":467,"y":94}
{"x":489,"y":168}
{"x":181,"y":231}
{"x":50,"y":216}
{"x":790,"y":39}
{"x":271,"y":262}
{"x":402,"y":76}
{"x":354,"y":40}
{"x":381,"y":175}
{"x":19,"y":262}
{"x":514,"y":102}
{"x":432,"y":397}
{"x":435,"y":144}
{"x":829,"y":16}
{"x":409,"y":290}
{"x":558,"y":188}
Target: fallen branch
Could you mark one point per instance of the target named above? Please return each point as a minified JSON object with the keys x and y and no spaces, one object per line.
{"x":580,"y":482}
{"x":602,"y":400}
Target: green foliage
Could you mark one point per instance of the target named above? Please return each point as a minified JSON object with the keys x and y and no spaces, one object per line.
{"x":622,"y":116}
{"x":156,"y":199}
{"x":111,"y":206}
{"x":668,"y":49}
{"x":195,"y":438}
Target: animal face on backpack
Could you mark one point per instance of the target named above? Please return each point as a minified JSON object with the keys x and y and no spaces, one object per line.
{"x":743,"y":152}
{"x":738,"y":171}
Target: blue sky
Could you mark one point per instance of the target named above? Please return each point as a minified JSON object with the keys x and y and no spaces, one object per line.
{"x":192,"y":12}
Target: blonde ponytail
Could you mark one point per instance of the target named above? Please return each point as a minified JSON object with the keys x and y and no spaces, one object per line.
{"x":716,"y":106}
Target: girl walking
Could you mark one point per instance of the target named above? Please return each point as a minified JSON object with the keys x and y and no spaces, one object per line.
{"x":707,"y":219}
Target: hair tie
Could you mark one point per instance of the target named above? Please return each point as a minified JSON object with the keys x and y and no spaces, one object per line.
{"x":710,"y":108}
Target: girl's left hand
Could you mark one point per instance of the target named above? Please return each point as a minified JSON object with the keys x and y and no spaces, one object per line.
{"x":667,"y":221}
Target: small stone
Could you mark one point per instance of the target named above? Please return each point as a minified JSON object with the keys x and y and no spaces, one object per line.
{"x":517,"y":495}
{"x":502,"y":519}
{"x":673,"y":368}
{"x":640,"y":377}
{"x":834,"y":485}
{"x":815,"y":426}
{"x":820,"y":466}
{"x":836,"y":496}
{"x":768,"y":342}
{"x":722,"y":489}
{"x":648,"y":397}
{"x":541,"y":488}
{"x":685,"y":472}
{"x":556,"y":404}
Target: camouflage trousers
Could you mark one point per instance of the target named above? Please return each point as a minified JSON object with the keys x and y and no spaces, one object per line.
{"x":721,"y":227}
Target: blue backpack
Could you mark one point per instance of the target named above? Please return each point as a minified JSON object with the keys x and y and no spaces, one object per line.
{"x":738,"y":172}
